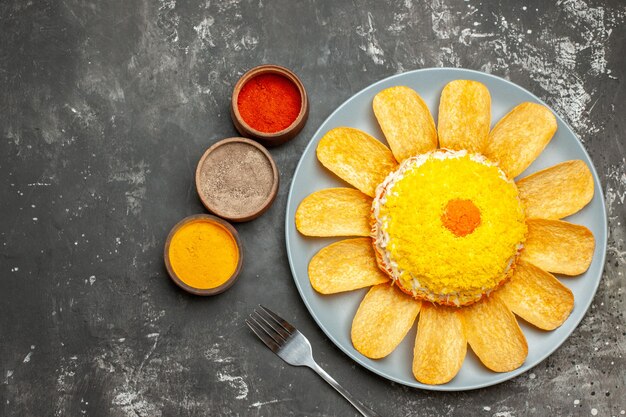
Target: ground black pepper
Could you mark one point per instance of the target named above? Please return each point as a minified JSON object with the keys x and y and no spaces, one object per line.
{"x":236,"y":179}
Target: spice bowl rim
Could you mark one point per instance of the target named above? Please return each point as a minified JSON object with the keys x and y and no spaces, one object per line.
{"x":275,"y":138}
{"x":178,"y":281}
{"x":262,"y":207}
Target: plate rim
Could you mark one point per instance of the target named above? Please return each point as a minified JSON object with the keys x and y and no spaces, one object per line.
{"x":501,"y":377}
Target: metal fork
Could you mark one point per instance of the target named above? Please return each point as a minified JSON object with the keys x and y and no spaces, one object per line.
{"x":291,"y":346}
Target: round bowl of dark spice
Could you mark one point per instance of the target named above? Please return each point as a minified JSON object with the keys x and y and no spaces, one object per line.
{"x":269,"y":104}
{"x":237,"y":179}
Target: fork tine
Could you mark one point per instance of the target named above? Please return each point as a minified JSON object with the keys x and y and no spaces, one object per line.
{"x":261,"y":334}
{"x":267,"y":329}
{"x":272,"y":323}
{"x":283,"y":323}
{"x":297,"y":351}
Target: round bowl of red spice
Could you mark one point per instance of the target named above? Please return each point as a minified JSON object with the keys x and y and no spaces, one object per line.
{"x":269,"y":104}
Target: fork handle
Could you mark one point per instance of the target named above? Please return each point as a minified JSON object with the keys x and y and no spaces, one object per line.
{"x":355,"y":403}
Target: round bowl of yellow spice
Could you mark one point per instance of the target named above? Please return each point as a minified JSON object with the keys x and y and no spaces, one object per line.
{"x":203,"y":254}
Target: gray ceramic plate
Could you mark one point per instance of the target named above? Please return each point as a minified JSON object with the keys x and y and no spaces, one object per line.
{"x":334,"y":313}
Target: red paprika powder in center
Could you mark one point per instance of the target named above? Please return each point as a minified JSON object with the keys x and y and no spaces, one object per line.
{"x":269,"y":103}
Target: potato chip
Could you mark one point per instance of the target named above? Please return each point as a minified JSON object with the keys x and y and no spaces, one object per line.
{"x":464,"y":116}
{"x":520,"y":136}
{"x":537,"y":296}
{"x":494,"y":335}
{"x":440,"y":344}
{"x":356,"y":157}
{"x":344,"y":266}
{"x":406,"y":122}
{"x":558,"y":191}
{"x":383,"y":319}
{"x":559,"y":247}
{"x":334,"y":212}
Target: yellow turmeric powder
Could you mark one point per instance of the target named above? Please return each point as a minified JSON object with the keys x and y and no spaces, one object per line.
{"x":203,"y":254}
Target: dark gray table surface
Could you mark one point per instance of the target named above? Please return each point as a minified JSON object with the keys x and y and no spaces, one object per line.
{"x":105,"y":108}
